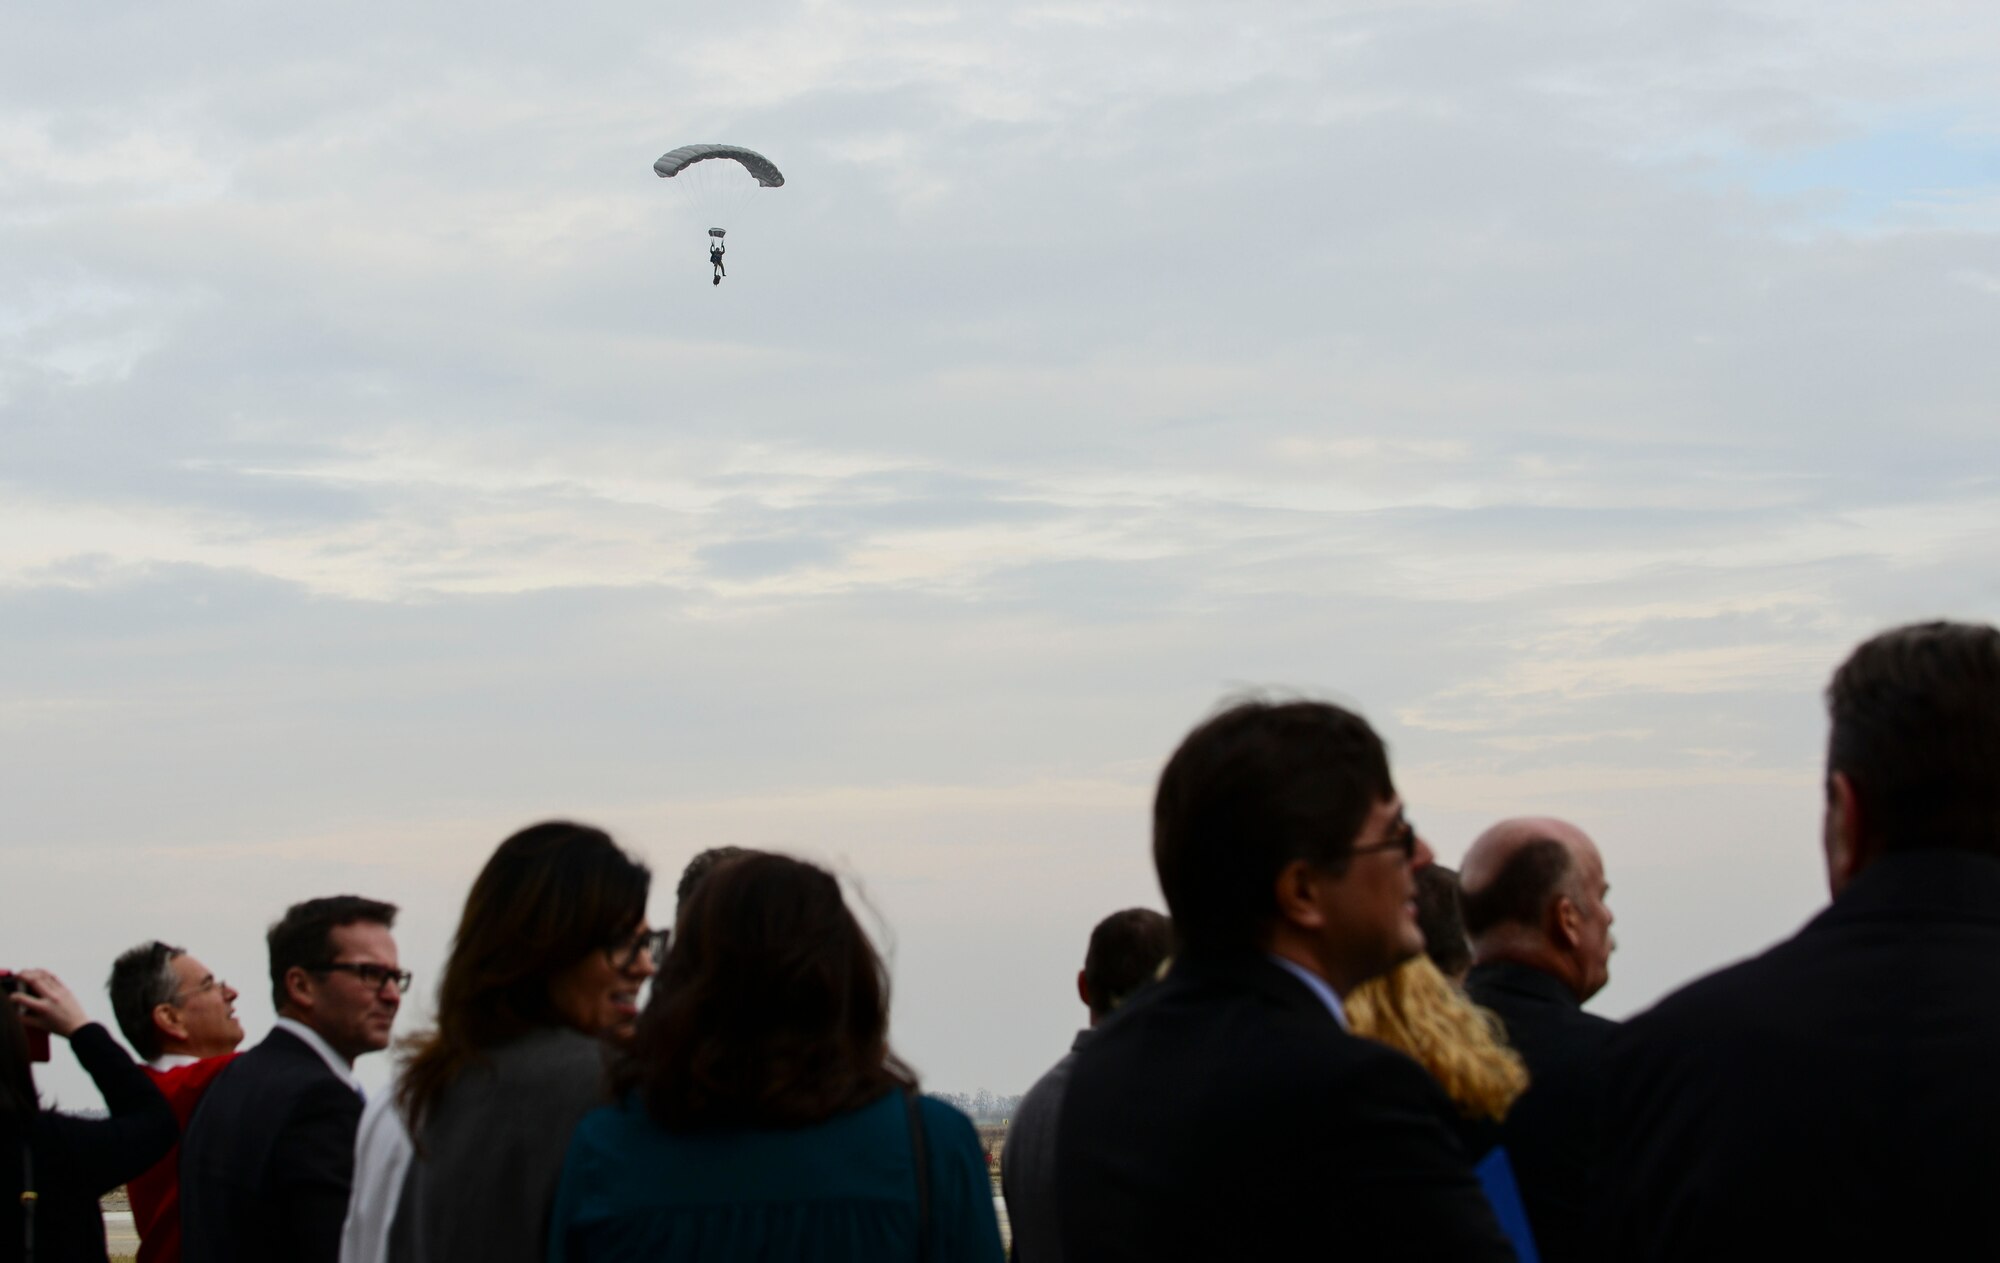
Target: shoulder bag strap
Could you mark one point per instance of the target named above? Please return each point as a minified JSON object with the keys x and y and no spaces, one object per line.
{"x":28,"y":1199}
{"x":920,"y":1153}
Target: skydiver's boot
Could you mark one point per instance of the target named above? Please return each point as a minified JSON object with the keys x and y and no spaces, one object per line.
{"x":717,"y":281}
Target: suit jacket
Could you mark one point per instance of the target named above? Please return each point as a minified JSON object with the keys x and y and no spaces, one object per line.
{"x":268,"y":1159}
{"x":1225,"y":1114}
{"x":1028,"y":1164}
{"x":1835,"y":1097}
{"x":1551,"y":1133}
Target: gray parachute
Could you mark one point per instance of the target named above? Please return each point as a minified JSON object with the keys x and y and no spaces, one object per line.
{"x":676,"y":161}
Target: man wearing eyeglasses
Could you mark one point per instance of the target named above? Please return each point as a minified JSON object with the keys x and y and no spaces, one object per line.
{"x":1227,"y":1112}
{"x":181,"y":1020}
{"x":268,"y":1159}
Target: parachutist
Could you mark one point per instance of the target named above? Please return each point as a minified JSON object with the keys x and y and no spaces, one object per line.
{"x":718,"y":168}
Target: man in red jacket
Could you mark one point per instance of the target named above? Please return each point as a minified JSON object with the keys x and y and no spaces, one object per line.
{"x":181,"y":1020}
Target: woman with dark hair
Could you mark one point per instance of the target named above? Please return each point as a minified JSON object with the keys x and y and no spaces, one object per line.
{"x":551,"y":952}
{"x":54,"y":1167}
{"x":761,"y":1113}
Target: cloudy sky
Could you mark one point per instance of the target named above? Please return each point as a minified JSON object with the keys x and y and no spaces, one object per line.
{"x":1567,"y":385}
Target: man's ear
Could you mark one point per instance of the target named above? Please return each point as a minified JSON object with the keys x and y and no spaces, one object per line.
{"x":1848,"y":850}
{"x":1565,"y":926}
{"x":1297,"y":895}
{"x":167,"y":1021}
{"x":1083,"y":990}
{"x":299,"y":988}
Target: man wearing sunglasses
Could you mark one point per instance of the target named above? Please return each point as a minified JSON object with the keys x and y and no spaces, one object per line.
{"x":268,"y":1159}
{"x":1227,"y":1112}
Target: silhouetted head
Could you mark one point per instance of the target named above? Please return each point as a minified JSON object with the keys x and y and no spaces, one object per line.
{"x":1535,"y":894}
{"x":1441,"y":915}
{"x":553,"y":934}
{"x":1276,"y":828}
{"x":17,"y":1080}
{"x":1914,"y":743}
{"x":699,"y":867}
{"x":167,"y":1002}
{"x":334,"y":969}
{"x":772,"y":1009}
{"x":1126,"y":951}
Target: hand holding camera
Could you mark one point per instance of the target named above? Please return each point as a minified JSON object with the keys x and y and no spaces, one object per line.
{"x":45,"y":1003}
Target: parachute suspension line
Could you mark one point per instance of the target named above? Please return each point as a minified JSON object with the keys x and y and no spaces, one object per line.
{"x":716,"y":181}
{"x":717,"y":191}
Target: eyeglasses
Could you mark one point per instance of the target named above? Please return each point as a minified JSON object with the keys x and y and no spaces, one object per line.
{"x":653,"y":943}
{"x":377,"y":976}
{"x":1402,"y":838}
{"x":210,"y":983}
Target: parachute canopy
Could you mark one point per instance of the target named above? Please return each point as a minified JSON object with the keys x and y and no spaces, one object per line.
{"x":676,"y":161}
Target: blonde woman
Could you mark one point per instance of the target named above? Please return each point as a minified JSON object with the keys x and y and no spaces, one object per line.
{"x":1416,"y":1009}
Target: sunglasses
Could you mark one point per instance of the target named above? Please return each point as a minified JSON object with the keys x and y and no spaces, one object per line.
{"x":1402,"y":837}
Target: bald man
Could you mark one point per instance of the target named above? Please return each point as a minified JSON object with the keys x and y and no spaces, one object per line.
{"x":1541,"y":945}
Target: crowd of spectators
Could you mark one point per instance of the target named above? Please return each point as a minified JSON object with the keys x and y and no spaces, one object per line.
{"x":1329,"y":1046}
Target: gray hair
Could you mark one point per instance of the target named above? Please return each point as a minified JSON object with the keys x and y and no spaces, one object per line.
{"x":142,"y":980}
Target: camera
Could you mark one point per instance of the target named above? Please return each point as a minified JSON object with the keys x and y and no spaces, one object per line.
{"x":38,"y":1039}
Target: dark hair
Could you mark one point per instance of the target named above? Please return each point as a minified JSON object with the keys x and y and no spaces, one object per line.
{"x":772,"y":1009}
{"x":302,"y":938}
{"x":700,"y":866}
{"x":17,"y":1081}
{"x":547,"y":898}
{"x":1251,"y":790}
{"x":1520,"y":892}
{"x":142,"y":979}
{"x":1441,"y":916}
{"x":1125,"y":952}
{"x":1916,"y":728}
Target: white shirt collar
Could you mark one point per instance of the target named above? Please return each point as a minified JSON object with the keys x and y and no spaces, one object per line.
{"x":171,"y":1061}
{"x":333,"y":1060}
{"x":1319,"y":988}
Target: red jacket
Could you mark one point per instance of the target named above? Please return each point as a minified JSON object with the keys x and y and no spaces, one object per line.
{"x":156,"y":1195}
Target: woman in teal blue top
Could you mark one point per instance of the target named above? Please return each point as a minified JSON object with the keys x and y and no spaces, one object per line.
{"x":762,"y":1115}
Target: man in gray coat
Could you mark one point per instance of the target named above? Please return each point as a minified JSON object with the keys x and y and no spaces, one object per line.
{"x":1126,"y":950}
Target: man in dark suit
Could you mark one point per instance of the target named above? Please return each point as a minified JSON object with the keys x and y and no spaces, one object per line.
{"x":268,"y":1158}
{"x":1835,"y":1097}
{"x":1126,"y":951}
{"x":1535,"y":907}
{"x":1227,"y":1113}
